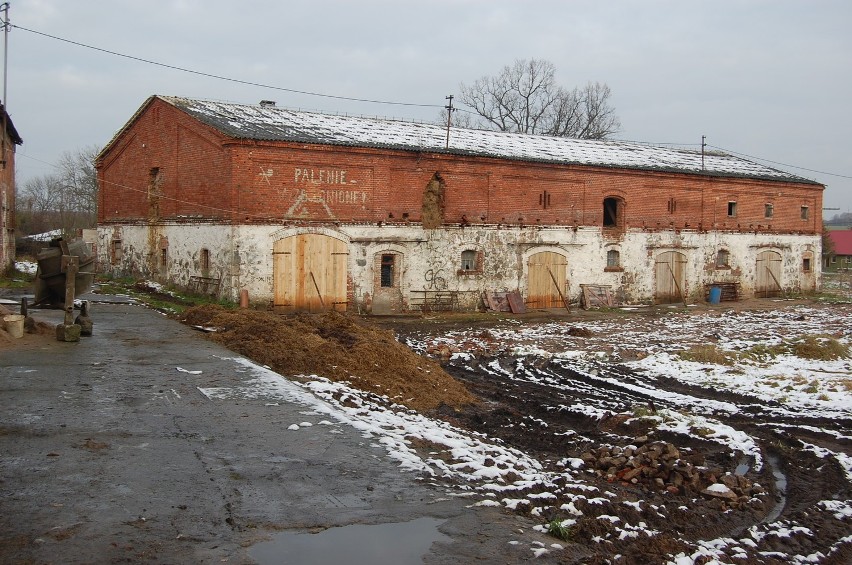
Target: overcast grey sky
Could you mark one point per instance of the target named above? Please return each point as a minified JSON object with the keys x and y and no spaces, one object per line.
{"x":770,"y":79}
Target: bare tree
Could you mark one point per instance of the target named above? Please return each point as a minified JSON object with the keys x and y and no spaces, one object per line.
{"x":66,"y":199}
{"x":525,"y":98}
{"x":80,"y":181}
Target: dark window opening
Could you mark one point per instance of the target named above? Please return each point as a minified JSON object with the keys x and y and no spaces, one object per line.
{"x":768,"y":211}
{"x":116,"y":250}
{"x":387,"y":270}
{"x":805,"y":212}
{"x":164,"y":254}
{"x":672,"y":206}
{"x":544,"y":200}
{"x":611,"y":212}
{"x":205,"y":259}
{"x":806,"y":264}
{"x":732,"y":209}
{"x":723,"y":258}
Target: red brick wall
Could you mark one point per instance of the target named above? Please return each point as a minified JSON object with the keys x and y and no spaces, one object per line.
{"x":192,"y":169}
{"x":8,"y":222}
{"x":209,"y":177}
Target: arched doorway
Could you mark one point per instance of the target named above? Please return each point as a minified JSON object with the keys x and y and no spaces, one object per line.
{"x":670,"y":277}
{"x":546,"y":280}
{"x":767,"y":274}
{"x":309,"y":273}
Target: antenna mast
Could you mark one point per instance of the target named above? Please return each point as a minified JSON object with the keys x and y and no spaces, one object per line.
{"x":703,"y":137}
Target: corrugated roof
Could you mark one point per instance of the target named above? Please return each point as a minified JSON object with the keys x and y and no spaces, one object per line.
{"x":270,"y":123}
{"x":842,"y":240}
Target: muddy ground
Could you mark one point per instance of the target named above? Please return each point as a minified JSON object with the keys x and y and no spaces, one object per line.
{"x":530,"y":415}
{"x":474,"y":392}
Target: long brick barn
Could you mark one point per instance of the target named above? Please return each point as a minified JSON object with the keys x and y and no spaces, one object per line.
{"x":308,"y":211}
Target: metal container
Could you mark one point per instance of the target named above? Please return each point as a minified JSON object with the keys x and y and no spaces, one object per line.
{"x":50,"y":276}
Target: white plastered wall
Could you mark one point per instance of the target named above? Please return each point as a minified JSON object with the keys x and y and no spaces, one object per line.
{"x":242,"y":257}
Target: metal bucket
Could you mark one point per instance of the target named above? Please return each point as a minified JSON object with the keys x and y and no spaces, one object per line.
{"x":14,"y":325}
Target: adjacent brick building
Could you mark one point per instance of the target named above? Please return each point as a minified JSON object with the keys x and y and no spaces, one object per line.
{"x":9,"y":140}
{"x":314,"y":211}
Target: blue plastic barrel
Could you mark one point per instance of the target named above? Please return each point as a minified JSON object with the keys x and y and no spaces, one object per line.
{"x":715,"y":294}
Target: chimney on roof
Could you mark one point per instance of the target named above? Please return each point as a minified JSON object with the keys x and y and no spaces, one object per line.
{"x":267,"y":103}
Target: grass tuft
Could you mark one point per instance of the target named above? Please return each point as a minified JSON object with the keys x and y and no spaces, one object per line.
{"x":821,"y":348}
{"x":558,"y":530}
{"x":706,"y":354}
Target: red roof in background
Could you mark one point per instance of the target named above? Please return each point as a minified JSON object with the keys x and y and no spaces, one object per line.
{"x":842,"y":240}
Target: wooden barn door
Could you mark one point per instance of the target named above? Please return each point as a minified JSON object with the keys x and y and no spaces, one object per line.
{"x":768,"y":274}
{"x":670,"y":277}
{"x":547,"y":272}
{"x":309,"y":273}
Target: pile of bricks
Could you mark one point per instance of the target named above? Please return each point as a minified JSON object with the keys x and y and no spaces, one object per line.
{"x":660,"y":464}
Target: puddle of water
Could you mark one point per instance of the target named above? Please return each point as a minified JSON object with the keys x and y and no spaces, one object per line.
{"x":402,"y":543}
{"x":780,"y":489}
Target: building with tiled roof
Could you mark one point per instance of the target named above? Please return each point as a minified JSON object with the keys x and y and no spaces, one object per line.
{"x":316,"y":211}
{"x":840,"y":257}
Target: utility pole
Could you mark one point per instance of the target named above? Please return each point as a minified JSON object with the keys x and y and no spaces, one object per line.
{"x":4,"y":7}
{"x":450,"y":109}
{"x":703,"y":145}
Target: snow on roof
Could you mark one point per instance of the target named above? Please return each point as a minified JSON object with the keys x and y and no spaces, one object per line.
{"x":269,"y":123}
{"x":842,"y":240}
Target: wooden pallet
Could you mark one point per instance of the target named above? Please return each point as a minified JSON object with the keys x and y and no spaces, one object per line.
{"x":597,"y":296}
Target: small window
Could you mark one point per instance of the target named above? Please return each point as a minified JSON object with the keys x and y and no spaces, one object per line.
{"x":805,"y":212}
{"x":723,"y":258}
{"x":768,"y":210}
{"x":834,"y":258}
{"x":613,"y":259}
{"x":806,"y":264}
{"x":164,"y":255}
{"x":205,"y":259}
{"x":468,"y":260}
{"x":387,"y":271}
{"x":672,"y":206}
{"x":732,"y":209}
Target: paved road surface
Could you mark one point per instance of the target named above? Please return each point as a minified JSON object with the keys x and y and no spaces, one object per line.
{"x":110,"y":452}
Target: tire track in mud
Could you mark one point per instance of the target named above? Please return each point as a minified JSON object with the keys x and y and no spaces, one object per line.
{"x":557,"y":408}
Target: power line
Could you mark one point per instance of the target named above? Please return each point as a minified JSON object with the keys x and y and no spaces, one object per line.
{"x":219,"y":77}
{"x":779,"y":163}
